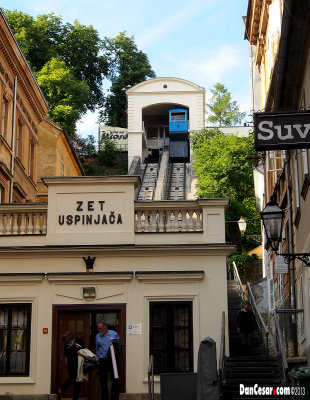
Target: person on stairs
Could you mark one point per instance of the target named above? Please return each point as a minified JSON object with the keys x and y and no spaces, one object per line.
{"x":246,"y":327}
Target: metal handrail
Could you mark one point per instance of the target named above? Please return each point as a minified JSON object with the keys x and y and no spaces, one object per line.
{"x":280,"y":347}
{"x":222,"y":354}
{"x":238,"y":281}
{"x":259,"y":319}
{"x":150,"y":378}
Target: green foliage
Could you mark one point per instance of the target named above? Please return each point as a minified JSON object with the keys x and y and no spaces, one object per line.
{"x":77,"y":49}
{"x":244,"y":261}
{"x":106,"y":160}
{"x":224,"y":167}
{"x":223,"y":111}
{"x":67,"y":96}
{"x":107,"y":151}
{"x":89,"y":60}
{"x":128,"y":66}
{"x":81,"y":50}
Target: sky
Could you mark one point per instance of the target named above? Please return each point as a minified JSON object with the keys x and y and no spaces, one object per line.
{"x":198,"y":40}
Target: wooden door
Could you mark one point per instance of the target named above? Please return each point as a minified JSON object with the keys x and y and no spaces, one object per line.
{"x":82,"y":322}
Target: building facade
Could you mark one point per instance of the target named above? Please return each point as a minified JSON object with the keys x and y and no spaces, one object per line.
{"x":22,"y":108}
{"x":279,"y":36}
{"x":155,"y":270}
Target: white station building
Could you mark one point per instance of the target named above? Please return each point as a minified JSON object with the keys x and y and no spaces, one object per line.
{"x":118,"y":249}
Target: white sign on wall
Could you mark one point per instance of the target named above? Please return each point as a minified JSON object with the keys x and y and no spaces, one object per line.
{"x":281,"y":266}
{"x":134,"y":329}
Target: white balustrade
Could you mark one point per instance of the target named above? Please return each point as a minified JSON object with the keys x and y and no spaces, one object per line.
{"x":166,"y":218}
{"x":23,"y":219}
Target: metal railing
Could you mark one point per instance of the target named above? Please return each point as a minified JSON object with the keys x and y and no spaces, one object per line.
{"x":237,"y":279}
{"x":263,"y":330}
{"x":150,"y":378}
{"x":222,"y":375}
{"x":280,"y":351}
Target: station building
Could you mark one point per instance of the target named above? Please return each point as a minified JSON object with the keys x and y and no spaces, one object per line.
{"x":155,"y":269}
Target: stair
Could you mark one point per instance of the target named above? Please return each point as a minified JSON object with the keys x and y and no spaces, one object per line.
{"x":248,"y":370}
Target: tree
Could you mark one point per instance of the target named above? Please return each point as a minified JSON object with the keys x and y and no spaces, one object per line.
{"x":223,"y":111}
{"x":81,"y":50}
{"x":67,"y":96}
{"x":128,"y":66}
{"x":78,"y":46}
{"x":224,"y":167}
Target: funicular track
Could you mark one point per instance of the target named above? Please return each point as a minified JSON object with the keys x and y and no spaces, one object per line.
{"x":149,"y":180}
{"x":177,"y":181}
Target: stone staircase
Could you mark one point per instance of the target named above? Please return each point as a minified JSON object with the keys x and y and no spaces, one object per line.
{"x":248,"y":370}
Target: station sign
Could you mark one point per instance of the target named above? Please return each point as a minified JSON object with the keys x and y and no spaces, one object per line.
{"x":118,"y":135}
{"x":280,"y":131}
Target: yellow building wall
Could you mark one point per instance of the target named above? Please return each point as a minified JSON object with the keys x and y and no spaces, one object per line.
{"x":55,"y":156}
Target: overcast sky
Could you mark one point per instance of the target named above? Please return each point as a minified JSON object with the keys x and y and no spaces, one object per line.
{"x":198,"y":40}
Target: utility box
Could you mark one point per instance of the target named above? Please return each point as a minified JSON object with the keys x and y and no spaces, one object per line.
{"x":178,"y":386}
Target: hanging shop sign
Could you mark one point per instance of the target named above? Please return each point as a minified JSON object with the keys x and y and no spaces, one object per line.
{"x":280,"y":131}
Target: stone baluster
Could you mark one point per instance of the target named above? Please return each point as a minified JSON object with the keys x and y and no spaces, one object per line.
{"x":174,"y":222}
{"x":1,"y":224}
{"x":161,"y":216}
{"x":6,"y":220}
{"x":190,"y":220}
{"x":30,"y":223}
{"x":22,"y":227}
{"x":14,"y":223}
{"x":44,"y":223}
{"x":153,"y":225}
{"x":198,"y":221}
{"x":138,"y":221}
{"x":183,"y":220}
{"x":169,"y":221}
{"x":37,"y":223}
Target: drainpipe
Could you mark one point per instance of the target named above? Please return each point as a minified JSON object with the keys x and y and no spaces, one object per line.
{"x":13,"y":141}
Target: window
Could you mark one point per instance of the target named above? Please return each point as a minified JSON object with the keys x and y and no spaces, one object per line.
{"x":4,"y":117}
{"x":178,"y":116}
{"x":15,"y":320}
{"x":31,"y":159}
{"x":296,"y":192}
{"x":62,"y":168}
{"x":300,"y":315}
{"x":171,"y":336}
{"x":271,"y":294}
{"x":280,"y":287}
{"x":18,"y":145}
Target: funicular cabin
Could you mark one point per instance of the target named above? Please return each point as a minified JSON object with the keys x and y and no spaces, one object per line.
{"x":178,"y":134}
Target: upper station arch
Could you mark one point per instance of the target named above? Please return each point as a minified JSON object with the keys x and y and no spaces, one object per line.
{"x":165,"y":85}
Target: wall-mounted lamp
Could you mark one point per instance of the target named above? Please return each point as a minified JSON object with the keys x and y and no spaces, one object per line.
{"x":89,"y":293}
{"x":272,"y":217}
{"x":89,"y":263}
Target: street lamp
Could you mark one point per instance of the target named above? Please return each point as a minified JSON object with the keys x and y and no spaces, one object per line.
{"x":272,"y":217}
{"x":242,"y":225}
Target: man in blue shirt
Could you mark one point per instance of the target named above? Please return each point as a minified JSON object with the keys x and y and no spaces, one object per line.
{"x":103,"y":340}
